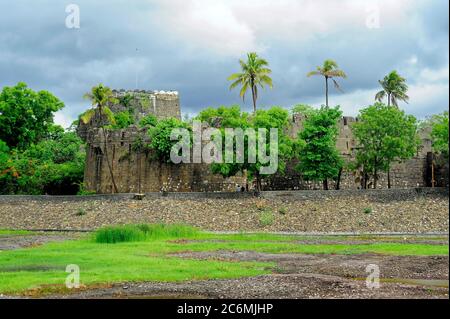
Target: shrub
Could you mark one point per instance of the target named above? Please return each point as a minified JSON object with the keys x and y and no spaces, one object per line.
{"x":142,"y":232}
{"x":367,"y":210}
{"x":266,"y":218}
{"x":282,"y":210}
{"x":80,"y":212}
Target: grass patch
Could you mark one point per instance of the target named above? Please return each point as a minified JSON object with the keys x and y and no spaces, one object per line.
{"x":7,"y":232}
{"x":141,"y":253}
{"x":142,"y":232}
{"x":266,"y":218}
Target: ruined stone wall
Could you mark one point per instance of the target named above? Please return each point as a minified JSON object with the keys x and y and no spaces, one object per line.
{"x":162,"y":104}
{"x":139,"y":172}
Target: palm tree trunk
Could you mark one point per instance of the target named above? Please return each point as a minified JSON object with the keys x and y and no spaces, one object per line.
{"x":326,"y":91}
{"x":389,"y":99}
{"x":115,"y":190}
{"x":254,"y":98}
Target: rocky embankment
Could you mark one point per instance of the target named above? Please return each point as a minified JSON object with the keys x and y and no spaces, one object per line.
{"x":354,"y":212}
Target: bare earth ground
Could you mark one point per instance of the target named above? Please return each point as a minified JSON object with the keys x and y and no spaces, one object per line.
{"x":295,"y":276}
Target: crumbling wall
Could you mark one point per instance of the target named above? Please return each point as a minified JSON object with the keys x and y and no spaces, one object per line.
{"x":137,"y":171}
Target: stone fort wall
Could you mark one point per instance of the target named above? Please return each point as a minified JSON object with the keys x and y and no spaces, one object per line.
{"x":137,"y":172}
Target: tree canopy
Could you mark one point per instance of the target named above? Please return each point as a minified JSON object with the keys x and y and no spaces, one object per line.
{"x":384,"y":135}
{"x":25,"y":115}
{"x":394,"y":89}
{"x":318,"y":157}
{"x":254,"y":73}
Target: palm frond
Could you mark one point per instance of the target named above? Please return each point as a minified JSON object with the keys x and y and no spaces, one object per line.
{"x":312,"y":73}
{"x":87,"y":116}
{"x":109,"y":115}
{"x":380,"y":96}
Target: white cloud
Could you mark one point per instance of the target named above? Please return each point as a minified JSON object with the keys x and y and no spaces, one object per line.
{"x":62,"y":119}
{"x":230,"y":27}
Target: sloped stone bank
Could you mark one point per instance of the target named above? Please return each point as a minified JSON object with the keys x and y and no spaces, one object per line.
{"x":419,"y":210}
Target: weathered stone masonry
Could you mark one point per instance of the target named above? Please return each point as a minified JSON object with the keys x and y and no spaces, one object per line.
{"x":137,"y":171}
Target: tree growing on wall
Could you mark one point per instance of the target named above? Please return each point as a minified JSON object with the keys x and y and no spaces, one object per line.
{"x":329,"y":70}
{"x":319,"y":159}
{"x":254,"y":73}
{"x":394,"y":89}
{"x":439,"y":133}
{"x":101,"y":96}
{"x":160,"y":137}
{"x":25,"y":115}
{"x":384,"y":135}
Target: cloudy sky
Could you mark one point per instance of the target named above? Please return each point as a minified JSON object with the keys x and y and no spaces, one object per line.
{"x":192,"y":46}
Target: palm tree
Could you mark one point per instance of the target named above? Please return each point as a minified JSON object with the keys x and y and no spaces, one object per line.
{"x":254,"y":72}
{"x":394,"y":88}
{"x":329,"y":70}
{"x":100,"y":97}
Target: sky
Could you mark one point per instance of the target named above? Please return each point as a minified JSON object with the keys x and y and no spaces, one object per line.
{"x":192,"y":46}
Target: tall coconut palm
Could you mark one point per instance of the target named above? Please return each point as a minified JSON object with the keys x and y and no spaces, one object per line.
{"x":394,"y":88}
{"x":254,"y":72}
{"x":329,"y":70}
{"x":100,"y":97}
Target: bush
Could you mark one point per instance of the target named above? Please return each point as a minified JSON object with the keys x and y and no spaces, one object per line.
{"x":266,"y":218}
{"x":367,"y":210}
{"x":142,"y":232}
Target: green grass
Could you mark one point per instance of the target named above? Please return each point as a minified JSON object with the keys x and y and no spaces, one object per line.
{"x":147,"y":258}
{"x":7,"y":232}
{"x":142,"y":232}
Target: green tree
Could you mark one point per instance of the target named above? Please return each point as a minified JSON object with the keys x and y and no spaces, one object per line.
{"x":329,"y":70}
{"x":25,"y":115}
{"x":439,"y":133}
{"x":122,"y":120}
{"x":303,"y":109}
{"x":232,"y":117}
{"x":52,"y":166}
{"x":160,"y":141}
{"x":319,"y":159}
{"x":101,"y":96}
{"x":253,"y":73}
{"x":394,"y":88}
{"x":384,"y":135}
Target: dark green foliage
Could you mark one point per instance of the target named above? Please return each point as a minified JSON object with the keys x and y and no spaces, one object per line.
{"x":123,"y":120}
{"x":52,"y":166}
{"x":385,"y":135}
{"x":319,"y":159}
{"x":232,"y":117}
{"x":439,"y":133}
{"x":160,"y":141}
{"x":26,"y":115}
{"x":148,"y":121}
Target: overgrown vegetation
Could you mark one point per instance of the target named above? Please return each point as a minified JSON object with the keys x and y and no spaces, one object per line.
{"x":142,"y":232}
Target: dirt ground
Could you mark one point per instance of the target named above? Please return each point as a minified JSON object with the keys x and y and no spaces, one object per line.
{"x":295,"y":275}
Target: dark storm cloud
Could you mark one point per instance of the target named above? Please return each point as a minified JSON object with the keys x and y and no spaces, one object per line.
{"x":37,"y":48}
